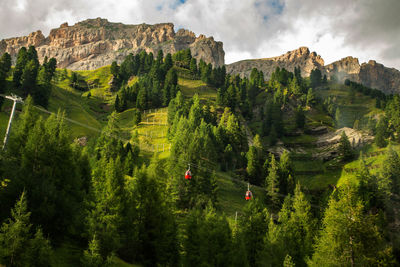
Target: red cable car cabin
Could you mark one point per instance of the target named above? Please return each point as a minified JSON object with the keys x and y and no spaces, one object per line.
{"x":248,"y":195}
{"x":188,"y":175}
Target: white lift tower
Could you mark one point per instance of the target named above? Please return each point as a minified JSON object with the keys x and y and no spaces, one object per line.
{"x":16,"y":100}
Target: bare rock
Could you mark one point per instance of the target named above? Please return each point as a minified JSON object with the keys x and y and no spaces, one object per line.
{"x":346,"y":68}
{"x":94,"y":43}
{"x":371,"y":74}
{"x":300,"y":57}
{"x":356,"y":138}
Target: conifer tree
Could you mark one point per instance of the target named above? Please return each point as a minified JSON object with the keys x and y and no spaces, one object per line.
{"x":300,"y":118}
{"x":381,"y":133}
{"x":48,"y":166}
{"x":295,"y":230}
{"x":391,"y":170}
{"x":345,"y":150}
{"x":91,"y":256}
{"x":310,"y":98}
{"x":22,"y":59}
{"x":253,"y":168}
{"x":193,"y":66}
{"x":253,"y":225}
{"x":208,"y":239}
{"x":272,"y":184}
{"x":349,"y":237}
{"x":288,"y":262}
{"x":18,"y":247}
{"x":105,"y":215}
{"x":168,"y":62}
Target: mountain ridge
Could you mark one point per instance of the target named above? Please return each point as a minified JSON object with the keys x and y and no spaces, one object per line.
{"x":94,"y":43}
{"x":371,"y":73}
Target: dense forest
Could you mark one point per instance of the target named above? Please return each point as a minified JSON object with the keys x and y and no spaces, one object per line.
{"x":115,"y":202}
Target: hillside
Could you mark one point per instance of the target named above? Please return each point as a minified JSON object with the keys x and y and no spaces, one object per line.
{"x":136,"y":130}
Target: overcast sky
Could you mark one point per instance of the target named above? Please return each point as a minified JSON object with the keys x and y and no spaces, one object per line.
{"x":367,"y":29}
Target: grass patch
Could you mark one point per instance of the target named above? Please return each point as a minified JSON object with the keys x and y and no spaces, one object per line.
{"x":320,"y":181}
{"x":231,"y":195}
{"x":301,"y":139}
{"x":191,"y":87}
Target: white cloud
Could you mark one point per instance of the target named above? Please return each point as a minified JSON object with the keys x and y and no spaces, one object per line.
{"x":366,"y":29}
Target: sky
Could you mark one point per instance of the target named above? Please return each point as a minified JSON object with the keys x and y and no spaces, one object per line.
{"x":367,"y":29}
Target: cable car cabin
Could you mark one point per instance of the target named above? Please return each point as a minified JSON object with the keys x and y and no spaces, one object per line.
{"x":188,"y":175}
{"x":248,"y":195}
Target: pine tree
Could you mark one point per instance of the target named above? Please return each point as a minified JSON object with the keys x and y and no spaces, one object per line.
{"x":310,"y":98}
{"x":349,"y":237}
{"x":22,"y":59}
{"x":193,"y":66}
{"x":156,"y":236}
{"x":28,"y":78}
{"x":14,"y":234}
{"x":253,"y":166}
{"x":117,"y":105}
{"x":208,"y":239}
{"x":17,"y":245}
{"x":300,"y":118}
{"x":105,"y":214}
{"x":345,"y":150}
{"x":45,"y":162}
{"x":288,"y":262}
{"x":381,"y":133}
{"x":272,"y":184}
{"x":5,"y":66}
{"x":168,"y":62}
{"x":315,"y":78}
{"x":286,"y":182}
{"x":42,"y":92}
{"x":253,"y":227}
{"x":91,"y":256}
{"x":391,"y":170}
{"x":39,"y":251}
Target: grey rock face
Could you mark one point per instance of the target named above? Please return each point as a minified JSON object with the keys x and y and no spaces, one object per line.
{"x":94,"y":43}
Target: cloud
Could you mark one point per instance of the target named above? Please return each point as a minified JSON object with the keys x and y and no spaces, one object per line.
{"x":367,"y":29}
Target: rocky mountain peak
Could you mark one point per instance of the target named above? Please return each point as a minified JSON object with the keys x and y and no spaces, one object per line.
{"x":94,"y":43}
{"x":301,"y":57}
{"x":371,"y":74}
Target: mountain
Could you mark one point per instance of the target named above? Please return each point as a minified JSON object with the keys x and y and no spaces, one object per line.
{"x":94,"y":43}
{"x":371,"y":74}
{"x":297,"y":58}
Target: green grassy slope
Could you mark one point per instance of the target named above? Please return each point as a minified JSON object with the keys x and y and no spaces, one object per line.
{"x":93,"y":111}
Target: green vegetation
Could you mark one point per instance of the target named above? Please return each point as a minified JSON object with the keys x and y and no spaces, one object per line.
{"x":120,"y":197}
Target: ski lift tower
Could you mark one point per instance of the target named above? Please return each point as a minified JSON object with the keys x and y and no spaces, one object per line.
{"x":15,"y":99}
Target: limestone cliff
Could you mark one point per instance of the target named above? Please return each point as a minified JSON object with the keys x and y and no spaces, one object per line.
{"x":94,"y":43}
{"x":297,"y":58}
{"x":370,"y":74}
{"x":376,"y":75}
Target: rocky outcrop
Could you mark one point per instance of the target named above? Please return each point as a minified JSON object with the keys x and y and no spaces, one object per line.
{"x":346,"y":68}
{"x":370,"y":74}
{"x":297,"y":58}
{"x":94,"y":43}
{"x":376,"y":75}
